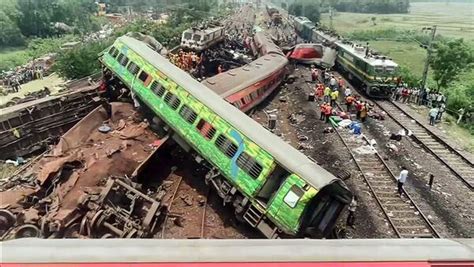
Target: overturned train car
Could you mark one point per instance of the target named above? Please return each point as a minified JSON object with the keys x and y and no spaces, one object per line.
{"x":271,"y":185}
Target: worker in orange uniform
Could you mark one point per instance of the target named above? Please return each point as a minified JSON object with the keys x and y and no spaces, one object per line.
{"x":328,"y":112}
{"x":320,"y":91}
{"x":322,"y":109}
{"x":341,"y":82}
{"x":349,"y":102}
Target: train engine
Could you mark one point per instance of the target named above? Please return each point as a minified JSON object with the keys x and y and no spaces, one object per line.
{"x":199,"y":39}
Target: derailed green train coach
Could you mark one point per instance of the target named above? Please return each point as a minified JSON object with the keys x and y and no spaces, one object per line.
{"x":271,"y":185}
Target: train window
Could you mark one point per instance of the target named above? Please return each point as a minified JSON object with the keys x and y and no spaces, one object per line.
{"x":113,"y":52}
{"x":247,"y":99}
{"x":226,"y":146}
{"x":197,"y":37}
{"x":293,"y":196}
{"x":249,"y":165}
{"x":206,"y":129}
{"x":122,"y":59}
{"x":237,"y":104}
{"x":157,"y":88}
{"x":143,"y":76}
{"x":243,"y":101}
{"x":187,"y":36}
{"x":172,"y":100}
{"x":133,"y":68}
{"x":188,"y":114}
{"x":254,"y":95}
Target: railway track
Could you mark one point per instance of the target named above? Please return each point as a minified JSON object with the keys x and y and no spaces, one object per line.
{"x":404,"y":216}
{"x":459,"y":165}
{"x":402,"y":213}
{"x":172,"y":199}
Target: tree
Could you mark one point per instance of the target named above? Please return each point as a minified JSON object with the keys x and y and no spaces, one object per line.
{"x":10,"y":34}
{"x":449,"y":60}
{"x":373,"y":19}
{"x":80,"y":61}
{"x":311,"y":11}
{"x":296,"y":9}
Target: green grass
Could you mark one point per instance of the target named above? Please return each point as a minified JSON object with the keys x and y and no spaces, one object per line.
{"x":453,"y":20}
{"x":11,"y":57}
{"x":408,"y":54}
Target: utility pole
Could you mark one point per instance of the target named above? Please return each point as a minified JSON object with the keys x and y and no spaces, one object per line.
{"x":331,"y":26}
{"x":428,"y":56}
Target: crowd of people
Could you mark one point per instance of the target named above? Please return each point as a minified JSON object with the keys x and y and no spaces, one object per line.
{"x":327,"y":92}
{"x":21,"y":75}
{"x":435,"y":101}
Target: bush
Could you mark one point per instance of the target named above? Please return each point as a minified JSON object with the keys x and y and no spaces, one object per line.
{"x":80,"y":61}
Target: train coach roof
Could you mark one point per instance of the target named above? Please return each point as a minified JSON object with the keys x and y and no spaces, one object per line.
{"x":371,"y":60}
{"x":206,"y":31}
{"x":284,"y":153}
{"x":234,"y":80}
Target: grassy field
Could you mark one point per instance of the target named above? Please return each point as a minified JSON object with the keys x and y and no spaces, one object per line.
{"x":453,"y":19}
{"x":410,"y":54}
{"x":11,"y":57}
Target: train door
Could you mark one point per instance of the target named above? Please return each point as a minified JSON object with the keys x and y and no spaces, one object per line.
{"x":289,"y":202}
{"x":322,"y":213}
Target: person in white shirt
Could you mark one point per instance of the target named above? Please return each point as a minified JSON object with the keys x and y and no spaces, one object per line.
{"x":351,"y":216}
{"x":332,"y":82}
{"x":402,"y":178}
{"x":347,"y":92}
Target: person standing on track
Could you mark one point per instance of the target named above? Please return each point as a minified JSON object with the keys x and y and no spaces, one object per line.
{"x":334,"y":96}
{"x":433,"y":113}
{"x":322,"y":109}
{"x":351,"y":216}
{"x":327,"y":112}
{"x":320,"y":91}
{"x":349,"y":101}
{"x":341,"y":83}
{"x":327,"y":94}
{"x":347,"y":92}
{"x":402,"y":178}
{"x":332,"y":83}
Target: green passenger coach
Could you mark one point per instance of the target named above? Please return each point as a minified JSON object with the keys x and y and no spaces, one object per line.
{"x":271,"y":185}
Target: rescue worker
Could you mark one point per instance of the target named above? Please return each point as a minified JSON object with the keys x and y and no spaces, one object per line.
{"x":327,"y":94}
{"x":341,"y":82}
{"x":349,"y":101}
{"x":327,"y":112}
{"x":351,"y":216}
{"x":220,"y":69}
{"x":334,"y":96}
{"x":320,"y":91}
{"x":322,"y":109}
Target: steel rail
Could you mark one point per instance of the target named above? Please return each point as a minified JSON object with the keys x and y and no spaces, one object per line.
{"x":169,"y":207}
{"x":424,"y":218}
{"x":448,"y":147}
